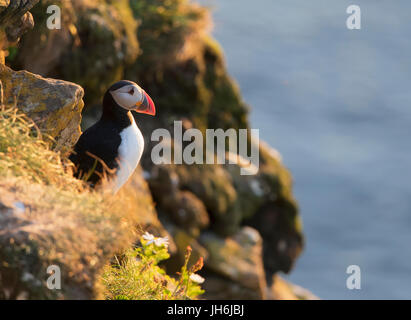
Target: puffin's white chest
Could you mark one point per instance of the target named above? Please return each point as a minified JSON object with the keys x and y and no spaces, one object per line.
{"x":129,"y":153}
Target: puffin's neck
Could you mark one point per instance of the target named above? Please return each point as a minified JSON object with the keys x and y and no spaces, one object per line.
{"x":114,"y":113}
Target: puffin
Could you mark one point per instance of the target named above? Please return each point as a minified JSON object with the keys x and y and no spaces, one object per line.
{"x":112,"y":148}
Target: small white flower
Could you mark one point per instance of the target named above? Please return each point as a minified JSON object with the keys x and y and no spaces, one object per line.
{"x":161,"y":241}
{"x":149,"y":238}
{"x":196,"y":278}
{"x":158,"y":242}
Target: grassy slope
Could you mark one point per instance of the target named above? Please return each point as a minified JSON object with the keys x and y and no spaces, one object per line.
{"x":62,"y":221}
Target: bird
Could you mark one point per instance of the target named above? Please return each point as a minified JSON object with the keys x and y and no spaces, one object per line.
{"x":112,"y":148}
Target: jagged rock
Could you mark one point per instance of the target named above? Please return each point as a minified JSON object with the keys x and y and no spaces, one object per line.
{"x":237,"y":258}
{"x":54,"y":105}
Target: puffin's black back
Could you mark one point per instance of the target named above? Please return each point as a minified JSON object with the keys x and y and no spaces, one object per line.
{"x":101,"y":140}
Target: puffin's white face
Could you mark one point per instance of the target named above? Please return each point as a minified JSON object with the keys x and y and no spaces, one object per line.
{"x":128,"y":97}
{"x":132,"y":97}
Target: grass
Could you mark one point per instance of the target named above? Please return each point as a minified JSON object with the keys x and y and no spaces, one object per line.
{"x":137,"y":276}
{"x":63,"y":221}
{"x":24,"y":153}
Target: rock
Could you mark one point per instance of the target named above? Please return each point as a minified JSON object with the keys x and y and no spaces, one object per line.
{"x":213,"y":186}
{"x":42,"y":49}
{"x":54,"y":105}
{"x":267,"y":204}
{"x":182,"y":239}
{"x":186,"y":211}
{"x":220,"y":288}
{"x":15,"y":20}
{"x":163,"y":180}
{"x":237,"y":258}
{"x":282,"y":240}
{"x":284,"y":290}
{"x":183,"y":208}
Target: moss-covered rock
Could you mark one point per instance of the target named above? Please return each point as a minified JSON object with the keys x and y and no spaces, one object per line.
{"x":54,"y":105}
{"x":212,"y":185}
{"x":238,"y":258}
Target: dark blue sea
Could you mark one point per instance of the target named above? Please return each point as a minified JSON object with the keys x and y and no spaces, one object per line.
{"x":336,"y":103}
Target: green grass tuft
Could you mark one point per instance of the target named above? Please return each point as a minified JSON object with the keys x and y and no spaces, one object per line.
{"x":137,"y":276}
{"x":24,"y":153}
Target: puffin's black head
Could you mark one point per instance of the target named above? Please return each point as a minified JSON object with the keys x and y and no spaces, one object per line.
{"x":127,"y":96}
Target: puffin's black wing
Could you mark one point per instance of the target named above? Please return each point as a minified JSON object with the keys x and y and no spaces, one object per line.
{"x":101,"y":140}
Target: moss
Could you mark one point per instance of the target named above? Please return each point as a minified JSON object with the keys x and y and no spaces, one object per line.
{"x":227,"y":109}
{"x":279,"y":181}
{"x":164,"y":29}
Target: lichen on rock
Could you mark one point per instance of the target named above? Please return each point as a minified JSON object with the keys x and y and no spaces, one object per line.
{"x":54,"y":105}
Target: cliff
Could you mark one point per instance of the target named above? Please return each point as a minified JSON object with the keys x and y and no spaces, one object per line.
{"x":247,"y":228}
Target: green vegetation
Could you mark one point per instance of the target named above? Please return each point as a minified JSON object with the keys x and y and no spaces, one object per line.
{"x":137,"y":276}
{"x":164,"y":28}
{"x":24,"y":153}
{"x":59,"y":220}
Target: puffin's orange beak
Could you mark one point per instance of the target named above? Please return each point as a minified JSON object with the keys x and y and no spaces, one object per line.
{"x":146,"y":106}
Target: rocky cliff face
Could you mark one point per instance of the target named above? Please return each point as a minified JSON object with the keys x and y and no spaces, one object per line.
{"x":246,"y":227}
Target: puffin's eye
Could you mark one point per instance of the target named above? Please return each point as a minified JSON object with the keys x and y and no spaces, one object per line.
{"x":131,"y":91}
